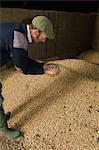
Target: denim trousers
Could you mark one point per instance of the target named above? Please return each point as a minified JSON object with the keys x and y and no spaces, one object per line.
{"x":1,"y":97}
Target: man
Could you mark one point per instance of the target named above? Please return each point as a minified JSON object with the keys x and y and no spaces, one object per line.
{"x":14,"y":39}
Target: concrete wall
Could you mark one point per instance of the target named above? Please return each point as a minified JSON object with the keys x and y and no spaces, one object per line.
{"x":73,"y":31}
{"x":96,"y":32}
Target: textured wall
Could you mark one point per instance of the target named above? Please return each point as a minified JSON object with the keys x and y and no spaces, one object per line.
{"x":96,"y":32}
{"x":73,"y":31}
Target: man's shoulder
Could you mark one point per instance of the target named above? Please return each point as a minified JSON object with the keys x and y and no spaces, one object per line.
{"x":17,"y":24}
{"x":11,"y":22}
{"x":10,"y":27}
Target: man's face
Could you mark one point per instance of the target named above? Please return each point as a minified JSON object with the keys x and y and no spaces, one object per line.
{"x":37,"y":36}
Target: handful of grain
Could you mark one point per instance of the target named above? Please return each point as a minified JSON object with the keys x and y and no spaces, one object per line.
{"x":51,"y":69}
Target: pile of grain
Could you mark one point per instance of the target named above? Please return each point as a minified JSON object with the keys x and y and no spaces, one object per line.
{"x":53,"y":113}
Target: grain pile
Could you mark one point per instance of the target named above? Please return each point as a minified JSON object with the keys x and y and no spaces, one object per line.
{"x":90,"y":56}
{"x":54,"y":113}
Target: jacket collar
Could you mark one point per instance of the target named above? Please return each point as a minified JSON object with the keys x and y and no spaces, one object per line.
{"x":29,"y":34}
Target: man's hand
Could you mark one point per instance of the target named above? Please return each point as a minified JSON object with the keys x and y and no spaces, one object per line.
{"x":51,"y":69}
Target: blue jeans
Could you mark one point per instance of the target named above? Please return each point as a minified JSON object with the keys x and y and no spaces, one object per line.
{"x":1,"y":97}
{"x":4,"y":54}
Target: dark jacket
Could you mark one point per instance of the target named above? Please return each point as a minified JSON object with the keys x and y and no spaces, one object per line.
{"x":13,"y":45}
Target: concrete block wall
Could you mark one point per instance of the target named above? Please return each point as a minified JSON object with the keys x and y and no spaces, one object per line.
{"x":73,"y":31}
{"x":96,"y":32}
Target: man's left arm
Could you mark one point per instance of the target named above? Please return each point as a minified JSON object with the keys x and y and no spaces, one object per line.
{"x":25,"y":64}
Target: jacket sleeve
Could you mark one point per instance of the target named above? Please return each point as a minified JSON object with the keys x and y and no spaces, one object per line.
{"x":26,"y":64}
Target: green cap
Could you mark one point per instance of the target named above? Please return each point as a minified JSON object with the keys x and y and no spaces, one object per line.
{"x":43,"y":24}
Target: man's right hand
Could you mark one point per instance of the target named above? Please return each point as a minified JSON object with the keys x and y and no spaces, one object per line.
{"x":51,"y":69}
